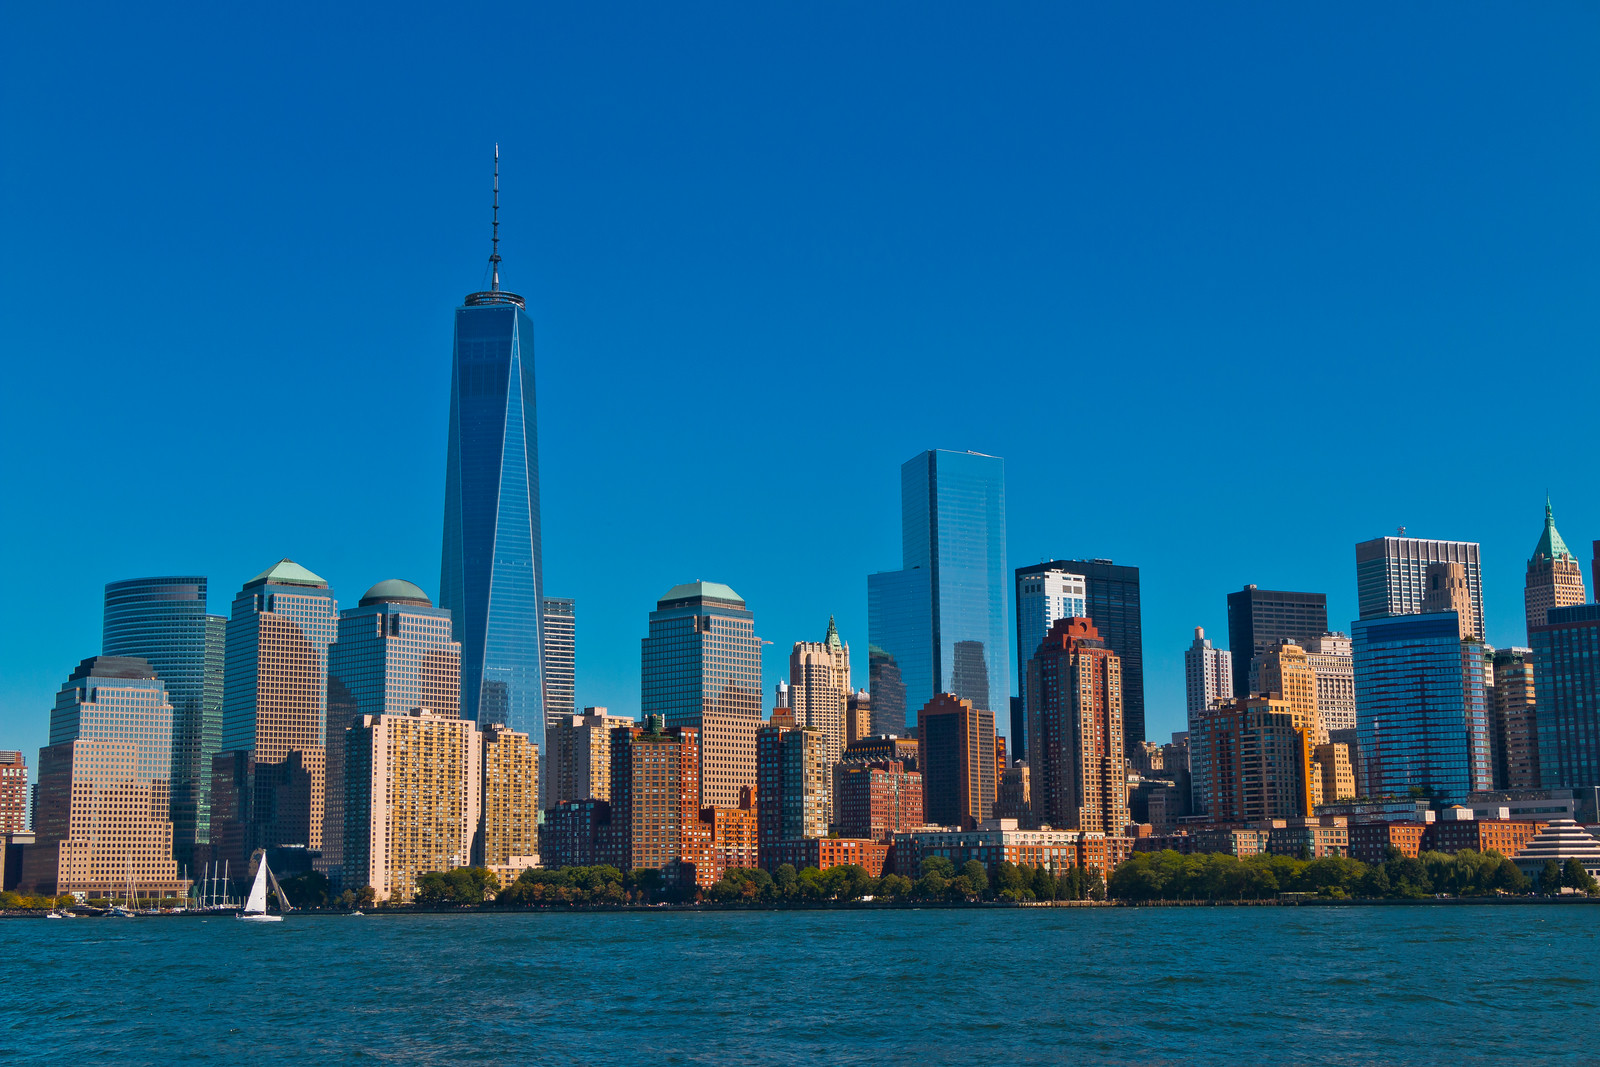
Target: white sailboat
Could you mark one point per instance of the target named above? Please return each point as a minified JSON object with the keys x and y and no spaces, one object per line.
{"x":255,"y":909}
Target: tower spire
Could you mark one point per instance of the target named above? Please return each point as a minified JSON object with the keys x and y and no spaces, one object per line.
{"x":494,"y":254}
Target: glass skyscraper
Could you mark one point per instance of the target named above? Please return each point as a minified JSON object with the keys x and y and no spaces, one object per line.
{"x":940,"y":621}
{"x":164,"y":621}
{"x":1422,"y":714}
{"x":1566,"y":675}
{"x":491,"y":576}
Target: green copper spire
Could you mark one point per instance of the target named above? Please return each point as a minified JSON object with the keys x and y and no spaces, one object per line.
{"x":832,"y":639}
{"x":1550,"y":545}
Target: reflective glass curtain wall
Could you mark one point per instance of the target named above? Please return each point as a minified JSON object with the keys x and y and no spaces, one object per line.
{"x":163,"y":620}
{"x":1566,"y":678}
{"x":491,"y":575}
{"x":942,"y":617}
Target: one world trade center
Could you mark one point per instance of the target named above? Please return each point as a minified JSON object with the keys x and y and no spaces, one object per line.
{"x":491,"y":576}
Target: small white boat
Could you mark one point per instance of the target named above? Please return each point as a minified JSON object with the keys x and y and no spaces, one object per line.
{"x":54,"y":915}
{"x":255,"y":909}
{"x":122,"y":913}
{"x":353,"y":914}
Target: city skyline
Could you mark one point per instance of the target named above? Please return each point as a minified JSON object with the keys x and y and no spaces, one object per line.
{"x":680,"y":302}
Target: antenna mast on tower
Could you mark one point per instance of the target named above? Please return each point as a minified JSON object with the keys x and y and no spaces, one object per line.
{"x":494,"y":254}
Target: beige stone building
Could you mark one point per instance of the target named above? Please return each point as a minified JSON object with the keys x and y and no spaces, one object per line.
{"x":508,"y":835}
{"x":1333,"y":768}
{"x":819,"y":688}
{"x":1445,"y":588}
{"x":578,"y":757}
{"x":1286,"y":671}
{"x":1555,"y":578}
{"x":412,"y":796}
{"x":1330,"y":660}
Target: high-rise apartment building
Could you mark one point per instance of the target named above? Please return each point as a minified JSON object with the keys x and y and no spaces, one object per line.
{"x":655,"y":796}
{"x":1042,"y":597}
{"x":13,"y":793}
{"x":956,"y":758}
{"x":560,"y":637}
{"x":1555,"y":577}
{"x":164,"y":621}
{"x":857,"y":716}
{"x":1391,"y":575}
{"x":1566,"y":678}
{"x":1332,"y":761}
{"x":877,"y":800}
{"x":394,"y":653}
{"x":702,"y":669}
{"x":1260,"y":619}
{"x":578,"y":765}
{"x":1252,"y":760}
{"x":793,"y":787}
{"x":412,"y":794}
{"x":1513,"y":721}
{"x":1075,"y":694}
{"x":507,"y":839}
{"x":819,"y":687}
{"x":1207,"y":674}
{"x":267,"y":783}
{"x":939,"y":623}
{"x":1330,"y":660}
{"x":491,"y":574}
{"x":1111,"y":595}
{"x":1421,"y":707}
{"x":1286,"y":671}
{"x":101,"y":819}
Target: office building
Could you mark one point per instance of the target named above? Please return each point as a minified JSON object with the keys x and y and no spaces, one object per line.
{"x":1554,"y":579}
{"x":1286,"y":670}
{"x":1421,"y":707}
{"x":1560,"y":841}
{"x":939,"y":623}
{"x":956,"y":758}
{"x":13,"y":793}
{"x":655,"y":796}
{"x":411,"y":806}
{"x":1252,"y":760}
{"x":819,"y":687}
{"x":1014,"y":795}
{"x":1330,"y":661}
{"x":701,"y":669}
{"x":1207,"y":673}
{"x":1261,"y":619}
{"x":1005,"y":841}
{"x":884,"y":747}
{"x":1566,"y":678}
{"x":1444,"y":588}
{"x":1338,"y":773}
{"x":394,"y":653}
{"x":857,"y":716}
{"x":507,"y":839}
{"x":794,"y":786}
{"x":1075,"y":694}
{"x":1042,"y":597}
{"x":101,"y":819}
{"x":267,"y":783}
{"x":578,"y":765}
{"x":580,"y":833}
{"x":1111,"y":593}
{"x":164,"y":621}
{"x":560,"y":652}
{"x":1513,"y":721}
{"x":491,"y":572}
{"x":877,"y":800}
{"x":1391,"y":576}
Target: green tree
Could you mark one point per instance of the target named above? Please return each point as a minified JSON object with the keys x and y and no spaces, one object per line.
{"x":1508,"y":877}
{"x":937,"y":865}
{"x":1574,"y":876}
{"x":977,"y":878}
{"x":1550,"y":878}
{"x":309,"y":890}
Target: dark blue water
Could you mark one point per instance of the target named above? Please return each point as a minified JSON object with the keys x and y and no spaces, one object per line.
{"x":1426,"y":985}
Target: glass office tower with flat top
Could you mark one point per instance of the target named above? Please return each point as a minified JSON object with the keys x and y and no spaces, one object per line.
{"x":491,"y":576}
{"x":939,"y":623}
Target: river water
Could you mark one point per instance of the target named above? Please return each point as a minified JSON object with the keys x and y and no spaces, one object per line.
{"x":1445,"y":985}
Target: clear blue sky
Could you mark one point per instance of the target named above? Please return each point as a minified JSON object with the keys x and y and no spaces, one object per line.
{"x":1229,"y":286}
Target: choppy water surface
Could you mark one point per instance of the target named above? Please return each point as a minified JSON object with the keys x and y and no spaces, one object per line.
{"x":1434,"y":985}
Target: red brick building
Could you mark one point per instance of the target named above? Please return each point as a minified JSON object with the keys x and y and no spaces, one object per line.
{"x":876,"y":800}
{"x":1370,"y":841}
{"x":655,"y":799}
{"x":825,"y":852}
{"x":733,"y":835}
{"x":1505,"y":836}
{"x":13,"y":793}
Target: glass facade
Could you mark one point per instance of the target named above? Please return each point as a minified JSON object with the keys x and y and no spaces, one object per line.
{"x":119,"y":698}
{"x":1566,"y":680}
{"x":1422,"y":716}
{"x":163,"y":620}
{"x":941,"y":619}
{"x":491,"y":573}
{"x":560,"y":658}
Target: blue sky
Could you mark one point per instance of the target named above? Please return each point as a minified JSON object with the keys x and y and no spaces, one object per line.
{"x":1230,"y":287}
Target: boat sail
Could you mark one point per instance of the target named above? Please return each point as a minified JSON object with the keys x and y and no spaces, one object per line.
{"x":255,"y":909}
